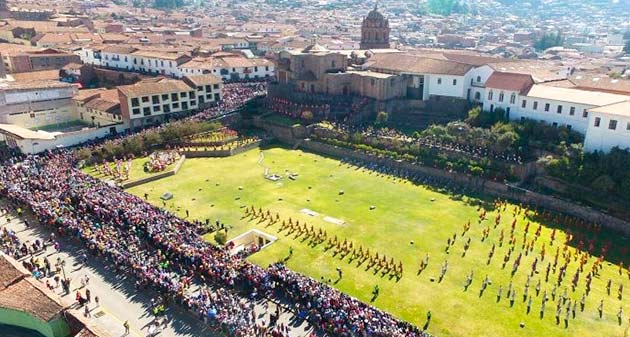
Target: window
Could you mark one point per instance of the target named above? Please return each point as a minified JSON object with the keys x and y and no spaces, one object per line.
{"x":146,"y":111}
{"x":439,"y":80}
{"x":628,"y":126}
{"x":174,"y":97}
{"x":208,"y":88}
{"x":165,"y":97}
{"x":175,"y":106}
{"x":191,"y":94}
{"x":569,"y":127}
{"x":184,"y":94}
{"x":501,"y":96}
{"x":217,"y":97}
{"x":157,"y":108}
{"x":478,"y":78}
{"x":155,"y":99}
{"x":372,"y":82}
{"x":216,"y":86}
{"x":585,"y":113}
{"x":193,"y":103}
{"x":572,"y":111}
{"x":490,"y":95}
{"x":477,"y":96}
{"x":513,"y":99}
{"x":455,"y":82}
{"x":135,"y":111}
{"x":524,"y":104}
{"x":559,"y":109}
{"x":597,"y":121}
{"x":612,"y":125}
{"x":200,"y":88}
{"x":547,"y":106}
{"x":555,"y":124}
{"x":145,"y":99}
{"x":535,"y":106}
{"x":166,"y":108}
{"x":266,"y":68}
{"x":209,"y":96}
{"x":256,"y":68}
{"x":184,"y":105}
{"x":135,"y":102}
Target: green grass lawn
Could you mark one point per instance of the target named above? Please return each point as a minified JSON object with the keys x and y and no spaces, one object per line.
{"x":211,"y":188}
{"x":137,"y":170}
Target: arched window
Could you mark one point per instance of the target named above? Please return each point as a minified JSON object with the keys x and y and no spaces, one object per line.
{"x":490,"y":94}
{"x":478,"y":79}
{"x":513,"y":99}
{"x":477,"y":96}
{"x":501,"y":96}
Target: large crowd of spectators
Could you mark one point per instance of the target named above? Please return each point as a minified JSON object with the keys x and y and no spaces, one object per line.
{"x":165,"y":252}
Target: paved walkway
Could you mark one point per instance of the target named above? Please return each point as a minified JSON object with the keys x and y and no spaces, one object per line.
{"x":119,"y":301}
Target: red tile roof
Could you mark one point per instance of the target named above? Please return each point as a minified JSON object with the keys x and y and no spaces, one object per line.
{"x":8,"y":273}
{"x":510,"y":81}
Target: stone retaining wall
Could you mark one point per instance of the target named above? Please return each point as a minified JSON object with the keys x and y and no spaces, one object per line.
{"x":155,"y":177}
{"x":485,"y":186}
{"x":221,"y":153}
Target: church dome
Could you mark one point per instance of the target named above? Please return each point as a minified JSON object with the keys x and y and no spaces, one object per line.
{"x":375,"y":15}
{"x":315,"y":48}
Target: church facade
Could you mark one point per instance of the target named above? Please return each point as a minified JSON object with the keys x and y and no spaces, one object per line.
{"x":375,"y":31}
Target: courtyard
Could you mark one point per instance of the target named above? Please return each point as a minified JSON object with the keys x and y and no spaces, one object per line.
{"x":404,"y":222}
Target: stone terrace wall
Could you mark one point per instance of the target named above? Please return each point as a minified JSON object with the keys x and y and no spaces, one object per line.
{"x":221,"y":153}
{"x":155,"y":177}
{"x":490,"y":187}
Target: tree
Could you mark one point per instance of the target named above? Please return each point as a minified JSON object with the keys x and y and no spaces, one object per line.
{"x":220,"y":237}
{"x":168,"y":4}
{"x":615,"y":74}
{"x":446,"y":7}
{"x":603,"y":184}
{"x":381,"y":118}
{"x":549,"y":40}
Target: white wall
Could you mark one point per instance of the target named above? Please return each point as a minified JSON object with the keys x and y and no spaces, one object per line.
{"x":446,"y":86}
{"x":255,"y":72}
{"x":483,"y":72}
{"x":87,"y":57}
{"x":38,"y":94}
{"x":116,"y":60}
{"x":576,"y":122}
{"x":66,"y":139}
{"x":602,"y":138}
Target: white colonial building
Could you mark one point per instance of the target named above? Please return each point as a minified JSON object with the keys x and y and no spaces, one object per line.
{"x":596,"y":114}
{"x":229,"y":66}
{"x":608,"y":126}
